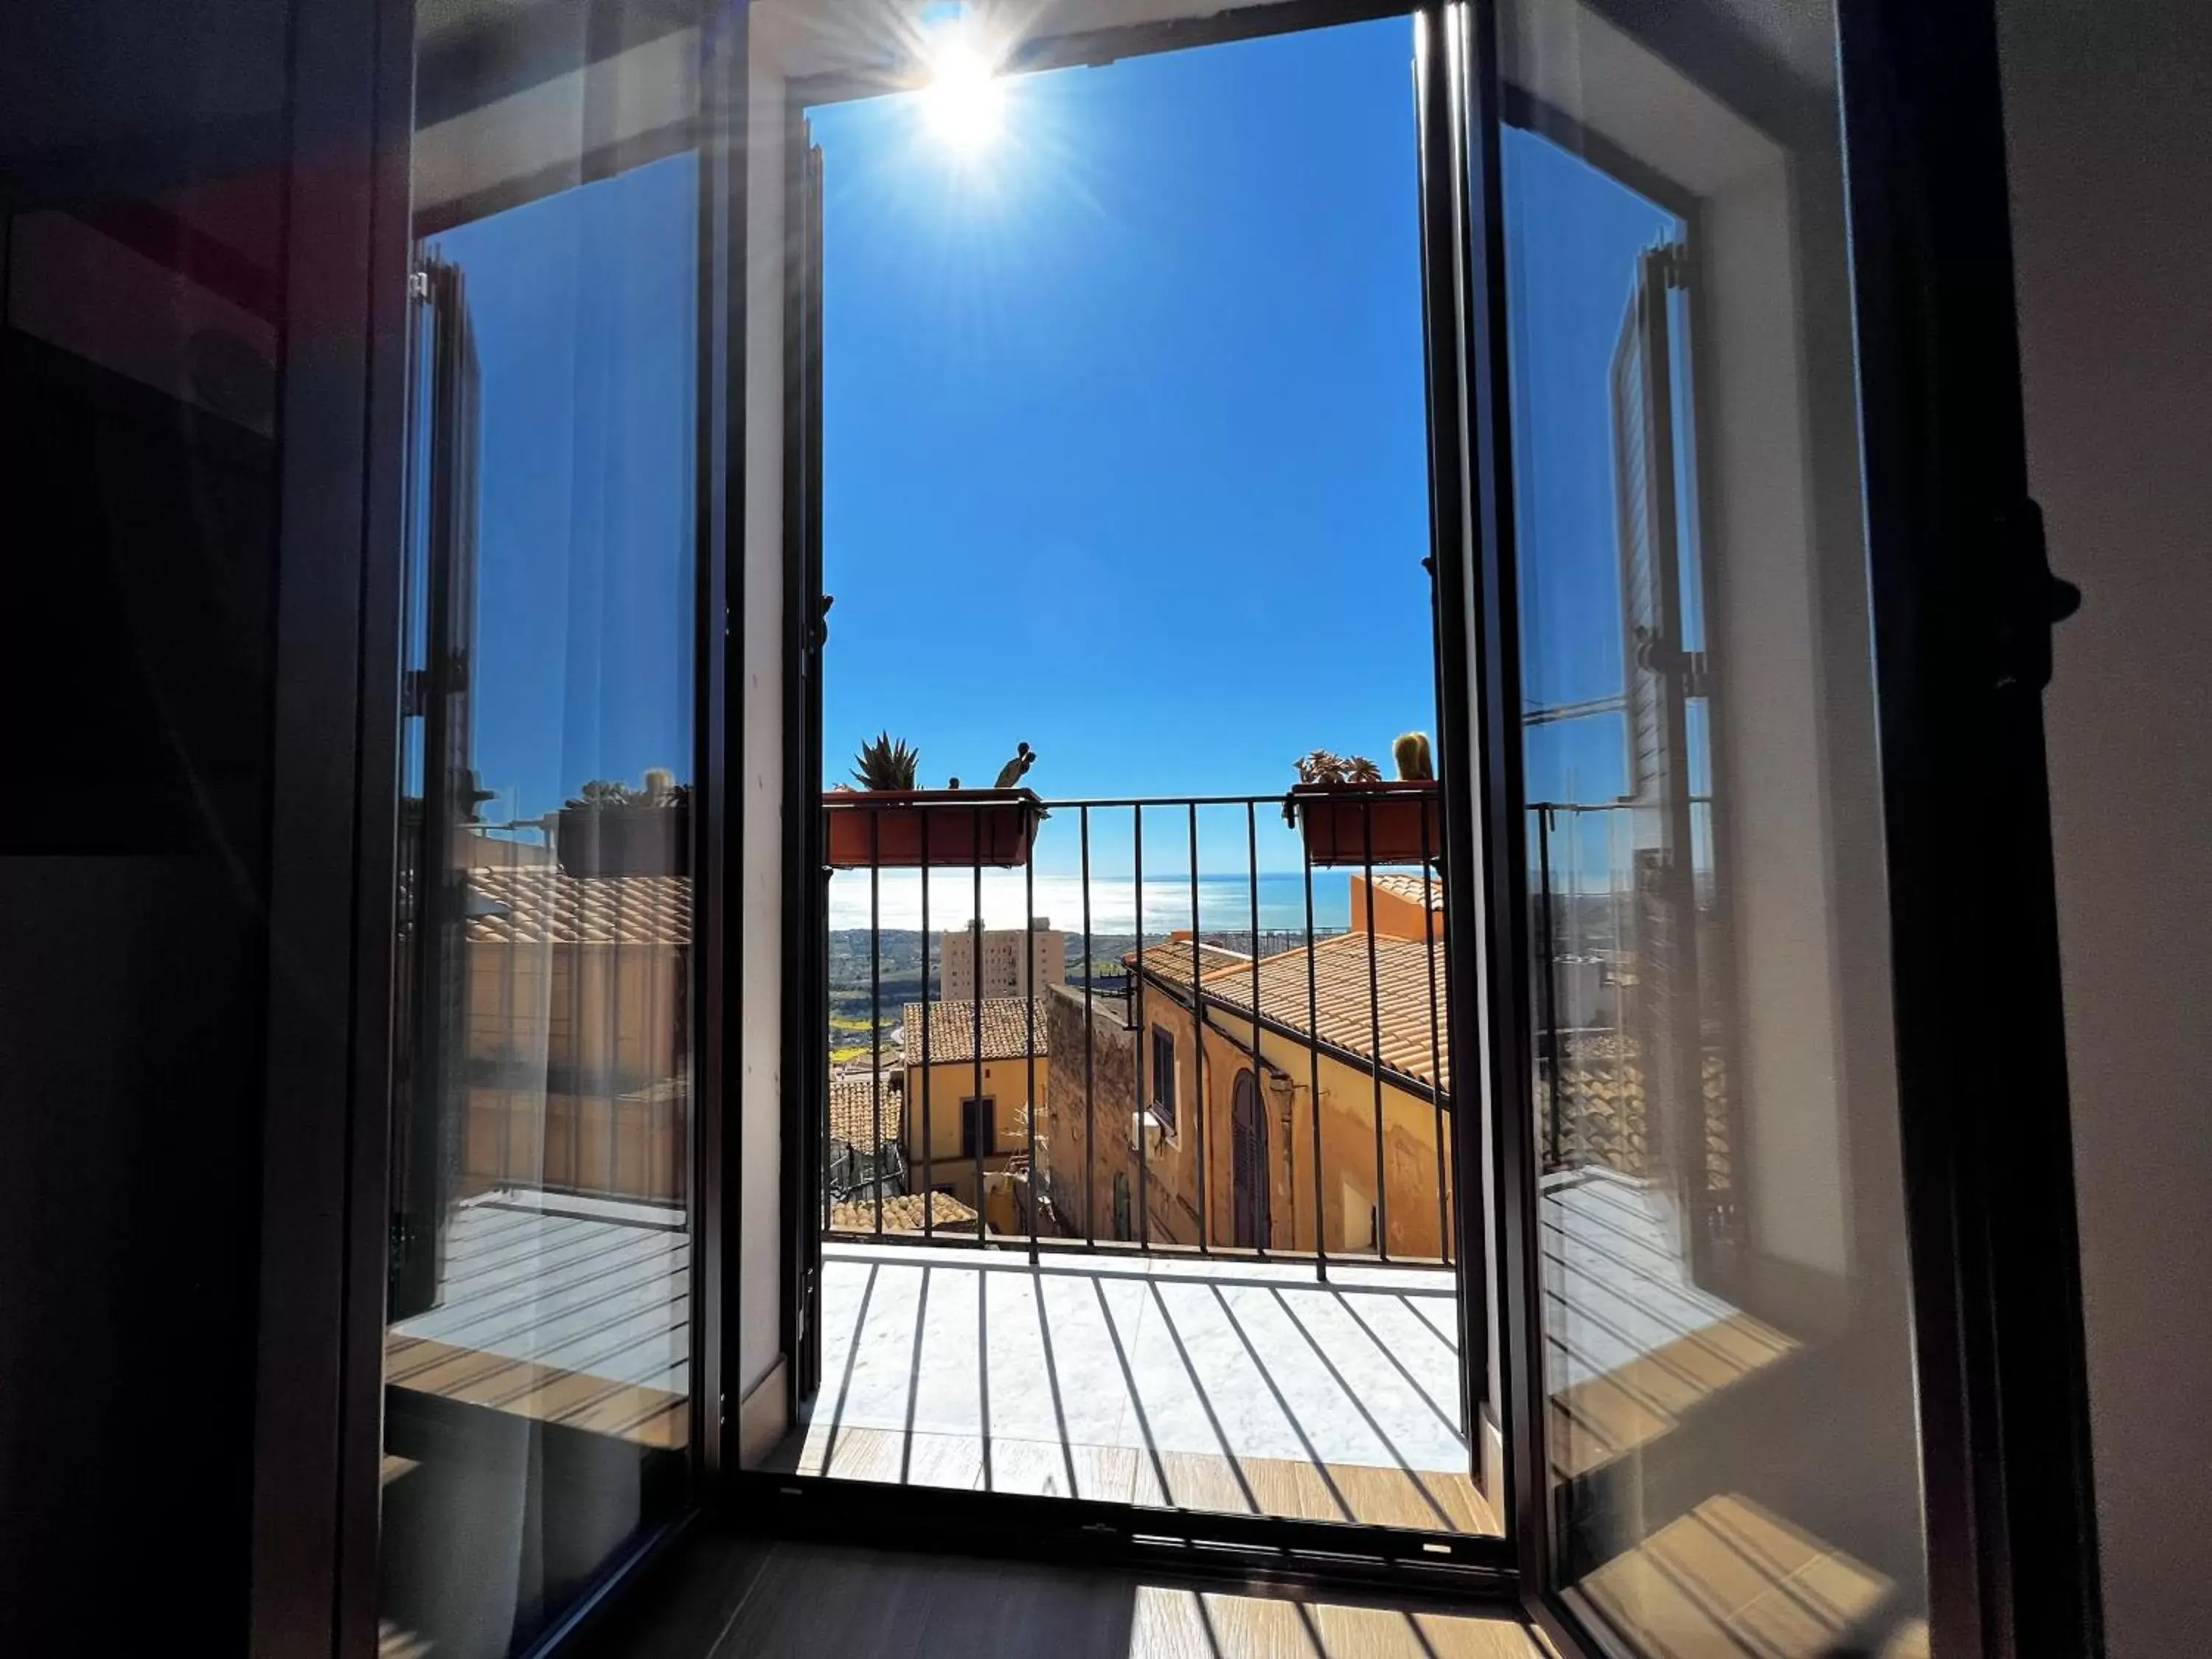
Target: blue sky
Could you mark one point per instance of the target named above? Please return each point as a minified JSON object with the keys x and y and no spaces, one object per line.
{"x":1125,"y":450}
{"x":582,"y":305}
{"x":1573,"y":236}
{"x":1125,"y":441}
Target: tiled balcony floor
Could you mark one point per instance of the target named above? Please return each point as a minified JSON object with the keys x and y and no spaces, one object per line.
{"x":1222,"y":1385}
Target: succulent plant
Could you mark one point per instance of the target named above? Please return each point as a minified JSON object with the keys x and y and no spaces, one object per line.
{"x":659,"y":789}
{"x":1323,"y":767}
{"x":1411,"y":751}
{"x":884,"y":764}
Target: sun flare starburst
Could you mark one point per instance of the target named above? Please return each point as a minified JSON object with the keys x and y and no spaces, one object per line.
{"x":963,"y":102}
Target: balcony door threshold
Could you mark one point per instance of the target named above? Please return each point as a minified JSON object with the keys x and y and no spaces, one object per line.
{"x":1236,"y":1414}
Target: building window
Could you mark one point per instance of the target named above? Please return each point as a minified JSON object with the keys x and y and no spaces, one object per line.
{"x":979,"y":1118}
{"x":1163,"y":1077}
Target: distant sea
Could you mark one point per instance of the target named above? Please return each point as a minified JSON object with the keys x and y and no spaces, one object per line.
{"x":1225,"y":903}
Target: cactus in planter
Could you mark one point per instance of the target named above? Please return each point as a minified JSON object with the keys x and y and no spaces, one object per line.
{"x":659,"y":789}
{"x":884,"y":764}
{"x":1411,"y":751}
{"x":1323,"y":767}
{"x":1379,"y":825}
{"x":613,"y":828}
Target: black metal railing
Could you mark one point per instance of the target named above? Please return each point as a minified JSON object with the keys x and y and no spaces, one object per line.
{"x":1213,"y":1056}
{"x":1625,"y":939}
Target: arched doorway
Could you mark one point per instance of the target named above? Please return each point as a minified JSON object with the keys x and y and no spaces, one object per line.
{"x":1249,"y":1163}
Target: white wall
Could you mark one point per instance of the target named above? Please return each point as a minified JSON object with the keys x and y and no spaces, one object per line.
{"x":2105,"y":106}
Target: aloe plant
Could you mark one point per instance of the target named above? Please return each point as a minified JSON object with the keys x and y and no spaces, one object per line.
{"x":884,"y":764}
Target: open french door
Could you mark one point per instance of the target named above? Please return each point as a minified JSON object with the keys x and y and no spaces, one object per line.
{"x":1757,"y":620}
{"x":438,"y":797}
{"x":807,"y":888}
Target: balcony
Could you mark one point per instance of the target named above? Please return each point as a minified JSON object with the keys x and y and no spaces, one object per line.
{"x":1077,"y":1238}
{"x":1155,"y":1207}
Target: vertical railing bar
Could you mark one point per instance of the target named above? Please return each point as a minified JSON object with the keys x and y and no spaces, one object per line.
{"x":648,"y":1028}
{"x":1267,"y":1194}
{"x":1199,"y":1125}
{"x":575,"y":1055}
{"x":1026,"y":982}
{"x":506,"y":1081}
{"x":1089,"y":1058}
{"x":876,"y":1004}
{"x":610,"y":1029}
{"x":1620,"y":879}
{"x":1375,"y":1030}
{"x":983,"y":1145}
{"x":1313,"y":1071}
{"x":1144,"y":1036}
{"x":1564,"y":1099}
{"x":928,"y":1149}
{"x":1546,"y":990}
{"x":1436,"y":1043}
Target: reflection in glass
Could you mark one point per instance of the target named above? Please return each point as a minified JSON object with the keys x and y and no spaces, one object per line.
{"x":538,"y":1357}
{"x":1726,"y":1356}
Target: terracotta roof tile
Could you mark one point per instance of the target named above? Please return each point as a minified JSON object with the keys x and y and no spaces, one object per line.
{"x":1399,"y":884}
{"x":1410,"y":1045}
{"x":542,"y":904}
{"x":1169,"y":964}
{"x":902,"y":1214}
{"x":952,"y":1030}
{"x":852,"y":1111}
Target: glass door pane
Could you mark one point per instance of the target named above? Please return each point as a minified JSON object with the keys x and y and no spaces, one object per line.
{"x":1725,"y":1349}
{"x":538,"y":1361}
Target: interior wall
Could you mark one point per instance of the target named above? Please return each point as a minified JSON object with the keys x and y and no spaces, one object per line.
{"x":2110,"y":162}
{"x":143,"y":152}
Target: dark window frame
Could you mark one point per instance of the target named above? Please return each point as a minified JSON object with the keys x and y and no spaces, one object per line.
{"x":1165,"y":1079}
{"x":977,"y":1111}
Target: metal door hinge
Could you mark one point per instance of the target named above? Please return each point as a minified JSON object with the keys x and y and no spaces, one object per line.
{"x":2033,"y":603}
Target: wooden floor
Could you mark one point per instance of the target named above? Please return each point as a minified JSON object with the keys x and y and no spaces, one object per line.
{"x":565,"y":1310}
{"x":729,"y":1598}
{"x":1287,"y":1488}
{"x":1632,"y":1344}
{"x":1731,"y":1578}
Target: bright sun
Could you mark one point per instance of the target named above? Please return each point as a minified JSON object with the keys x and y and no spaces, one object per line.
{"x":964,"y":101}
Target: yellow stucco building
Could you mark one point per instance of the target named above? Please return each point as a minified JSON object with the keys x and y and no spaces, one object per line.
{"x":1312,"y":1089}
{"x":965,"y":1101}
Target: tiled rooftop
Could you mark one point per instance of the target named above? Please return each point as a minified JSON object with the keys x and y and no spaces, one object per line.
{"x":1169,"y":964}
{"x":1410,"y":1027}
{"x":542,"y":904}
{"x":902,"y":1214}
{"x":1399,"y":884}
{"x":1006,"y":1029}
{"x":852,"y":1105}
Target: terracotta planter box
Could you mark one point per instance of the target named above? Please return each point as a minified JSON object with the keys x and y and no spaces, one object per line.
{"x":625,"y":841}
{"x":967,"y":827}
{"x":1353,"y":824}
